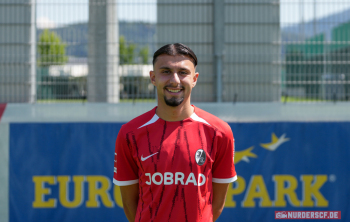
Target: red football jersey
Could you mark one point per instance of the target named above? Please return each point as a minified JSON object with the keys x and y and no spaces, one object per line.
{"x":175,"y":164}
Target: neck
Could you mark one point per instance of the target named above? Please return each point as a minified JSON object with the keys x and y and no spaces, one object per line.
{"x":177,"y":113}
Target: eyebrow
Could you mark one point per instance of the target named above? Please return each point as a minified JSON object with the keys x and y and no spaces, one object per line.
{"x":165,"y":67}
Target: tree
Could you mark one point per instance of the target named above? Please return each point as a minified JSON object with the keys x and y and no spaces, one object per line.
{"x":126,"y":52}
{"x":144,"y":55}
{"x":52,"y":51}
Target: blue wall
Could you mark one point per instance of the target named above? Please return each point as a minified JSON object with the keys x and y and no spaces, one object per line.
{"x":281,"y":166}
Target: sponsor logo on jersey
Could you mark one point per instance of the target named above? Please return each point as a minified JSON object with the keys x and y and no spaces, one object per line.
{"x":145,"y":158}
{"x":169,"y":178}
{"x":200,"y":157}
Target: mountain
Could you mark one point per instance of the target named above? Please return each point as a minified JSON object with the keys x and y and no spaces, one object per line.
{"x":144,"y":34}
{"x":323,"y":25}
{"x":76,"y":36}
{"x":302,"y":32}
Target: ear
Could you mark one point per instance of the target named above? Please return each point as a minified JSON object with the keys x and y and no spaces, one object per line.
{"x":152,"y":76}
{"x":195,"y":78}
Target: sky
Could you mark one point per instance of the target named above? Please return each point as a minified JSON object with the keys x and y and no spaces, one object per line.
{"x":54,"y":13}
{"x":295,"y":11}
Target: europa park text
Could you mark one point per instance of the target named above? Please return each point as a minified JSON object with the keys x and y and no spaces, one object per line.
{"x":99,"y":190}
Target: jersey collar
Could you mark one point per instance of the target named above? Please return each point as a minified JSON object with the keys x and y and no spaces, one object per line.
{"x":193,"y":117}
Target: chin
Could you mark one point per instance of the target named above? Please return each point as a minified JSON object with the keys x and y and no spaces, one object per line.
{"x":173,"y":102}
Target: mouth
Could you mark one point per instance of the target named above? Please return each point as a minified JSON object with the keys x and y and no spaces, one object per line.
{"x":174,"y":90}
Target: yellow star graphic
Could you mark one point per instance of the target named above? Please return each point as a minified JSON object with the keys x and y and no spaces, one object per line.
{"x":244,"y":154}
{"x":275,"y":142}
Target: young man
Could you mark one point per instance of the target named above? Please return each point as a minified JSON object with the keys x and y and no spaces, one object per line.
{"x":175,"y":162}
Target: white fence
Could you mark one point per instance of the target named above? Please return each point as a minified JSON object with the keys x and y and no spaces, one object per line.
{"x":253,"y":51}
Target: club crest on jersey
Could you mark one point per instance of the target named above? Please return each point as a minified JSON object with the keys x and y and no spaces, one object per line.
{"x":200,"y":157}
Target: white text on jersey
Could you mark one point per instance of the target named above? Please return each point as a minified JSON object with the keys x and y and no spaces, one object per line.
{"x":168,"y":179}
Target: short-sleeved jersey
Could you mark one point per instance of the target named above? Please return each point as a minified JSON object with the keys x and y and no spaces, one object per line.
{"x":175,"y":164}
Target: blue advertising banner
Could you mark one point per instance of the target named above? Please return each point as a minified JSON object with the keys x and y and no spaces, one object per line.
{"x":289,"y":166}
{"x":63,"y":171}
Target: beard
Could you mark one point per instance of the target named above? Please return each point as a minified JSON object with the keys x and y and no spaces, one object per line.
{"x":173,"y":101}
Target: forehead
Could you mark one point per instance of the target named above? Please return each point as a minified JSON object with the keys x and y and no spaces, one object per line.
{"x":177,"y":61}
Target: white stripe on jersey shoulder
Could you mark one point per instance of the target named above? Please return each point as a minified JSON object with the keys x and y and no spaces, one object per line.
{"x":125,"y":183}
{"x":197,"y":118}
{"x":229,"y":180}
{"x":154,"y":119}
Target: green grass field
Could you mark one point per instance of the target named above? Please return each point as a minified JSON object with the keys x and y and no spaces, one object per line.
{"x":61,"y":101}
{"x":137,"y":100}
{"x":283,"y":99}
{"x":85,"y":100}
{"x":298,"y":99}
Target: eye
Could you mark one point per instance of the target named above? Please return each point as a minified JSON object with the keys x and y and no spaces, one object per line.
{"x":183,"y":72}
{"x":165,"y":71}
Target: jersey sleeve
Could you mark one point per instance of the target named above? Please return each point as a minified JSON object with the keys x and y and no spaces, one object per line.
{"x":223,"y":167}
{"x":125,"y":168}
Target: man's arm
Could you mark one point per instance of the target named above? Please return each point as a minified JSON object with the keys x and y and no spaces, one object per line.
{"x":219,"y":196}
{"x":130,"y":198}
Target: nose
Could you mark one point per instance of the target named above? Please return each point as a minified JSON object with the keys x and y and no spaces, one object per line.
{"x":175,"y":78}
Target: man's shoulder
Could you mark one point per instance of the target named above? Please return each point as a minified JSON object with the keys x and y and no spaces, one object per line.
{"x":214,"y":121}
{"x":139,"y":120}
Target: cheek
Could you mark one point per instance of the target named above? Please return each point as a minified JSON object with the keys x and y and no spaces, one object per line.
{"x":187,"y":81}
{"x":159,"y":82}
